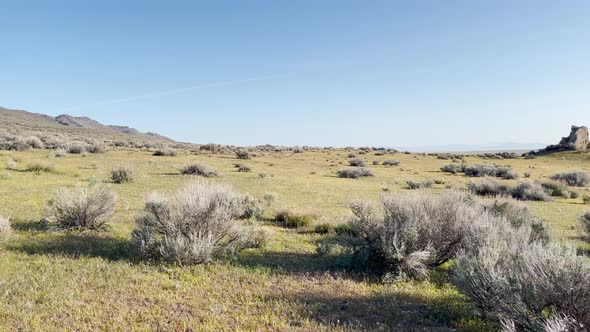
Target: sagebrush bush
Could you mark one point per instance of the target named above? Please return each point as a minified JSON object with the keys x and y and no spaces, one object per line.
{"x":10,"y":164}
{"x":585,"y":221}
{"x":290,"y":219}
{"x":530,"y":191}
{"x":39,"y":167}
{"x":487,"y":187}
{"x":253,"y":207}
{"x":556,"y":189}
{"x":84,"y":208}
{"x":506,"y":173}
{"x":354,"y":173}
{"x":357,"y":162}
{"x":480,"y":170}
{"x":391,"y":162}
{"x":59,"y":153}
{"x":243,"y":154}
{"x":452,"y":168}
{"x":410,"y":184}
{"x":95,"y":147}
{"x":194,"y":226}
{"x":122,"y":174}
{"x":522,"y":283}
{"x":410,"y":236}
{"x":5,"y":229}
{"x":573,"y":178}
{"x":165,"y":153}
{"x":76,"y":148}
{"x":586,"y":199}
{"x":243,"y":168}
{"x":518,"y":215}
{"x":198,"y":169}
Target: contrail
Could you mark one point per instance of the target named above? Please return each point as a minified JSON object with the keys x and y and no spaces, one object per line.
{"x":168,"y":92}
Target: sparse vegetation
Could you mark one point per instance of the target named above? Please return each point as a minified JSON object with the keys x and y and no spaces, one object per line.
{"x":84,"y":208}
{"x":40,"y":166}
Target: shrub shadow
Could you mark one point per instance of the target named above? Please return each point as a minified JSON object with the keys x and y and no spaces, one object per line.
{"x":69,"y":244}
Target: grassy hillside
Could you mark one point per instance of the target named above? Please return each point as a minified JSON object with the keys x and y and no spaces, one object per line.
{"x":85,"y":281}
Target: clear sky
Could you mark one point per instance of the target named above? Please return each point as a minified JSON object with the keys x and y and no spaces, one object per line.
{"x":384,"y":73}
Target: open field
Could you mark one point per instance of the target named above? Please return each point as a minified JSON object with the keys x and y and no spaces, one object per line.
{"x":83,"y":281}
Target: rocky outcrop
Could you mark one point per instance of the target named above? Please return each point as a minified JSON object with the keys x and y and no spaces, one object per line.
{"x":578,"y":140}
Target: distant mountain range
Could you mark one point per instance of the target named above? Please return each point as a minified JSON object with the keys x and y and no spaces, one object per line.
{"x":472,"y":148}
{"x":24,"y":123}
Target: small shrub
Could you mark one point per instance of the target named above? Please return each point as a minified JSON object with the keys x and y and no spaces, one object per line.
{"x":419,"y":185}
{"x":243,"y":168}
{"x":356,"y":162}
{"x":574,"y":195}
{"x":376,"y":162}
{"x":573,"y":178}
{"x":480,"y":170}
{"x":292,"y":220}
{"x":252,"y":207}
{"x":59,"y":153}
{"x":165,"y":153}
{"x":263,"y":175}
{"x":85,"y":208}
{"x":76,"y":149}
{"x":39,"y":167}
{"x":487,"y":187}
{"x":530,"y":191}
{"x":323,"y":228}
{"x":391,"y":162}
{"x":557,"y":189}
{"x":122,"y":174}
{"x":243,"y":154}
{"x":506,"y":173}
{"x":453,"y":168}
{"x":586,"y":199}
{"x":34,"y":142}
{"x":194,"y":226}
{"x":5,"y":229}
{"x":95,"y":147}
{"x":10,"y":164}
{"x":354,"y":173}
{"x":198,"y":169}
{"x":585,"y":221}
{"x":527,"y":174}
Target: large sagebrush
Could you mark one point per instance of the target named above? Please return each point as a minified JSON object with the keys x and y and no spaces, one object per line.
{"x":573,"y":178}
{"x":585,"y":222}
{"x":192,"y":227}
{"x":357,"y":162}
{"x":520,"y":282}
{"x":410,"y":236}
{"x":530,"y":191}
{"x":84,"y":208}
{"x":122,"y":174}
{"x":198,"y":169}
{"x":487,"y":187}
{"x":354,"y":173}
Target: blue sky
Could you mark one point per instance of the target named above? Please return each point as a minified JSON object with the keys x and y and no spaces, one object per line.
{"x":384,"y":73}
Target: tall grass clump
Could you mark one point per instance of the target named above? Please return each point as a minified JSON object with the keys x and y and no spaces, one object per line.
{"x":573,"y":178}
{"x":354,"y":173}
{"x":5,"y":229}
{"x":408,"y":237}
{"x":192,"y":227}
{"x":198,"y":169}
{"x":357,"y":162}
{"x":523,"y":284}
{"x":84,"y":208}
{"x":39,"y":166}
{"x":122,"y":174}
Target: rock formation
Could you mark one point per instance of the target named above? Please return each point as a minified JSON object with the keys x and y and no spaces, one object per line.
{"x":578,"y":140}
